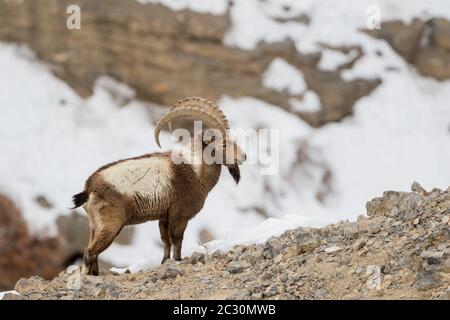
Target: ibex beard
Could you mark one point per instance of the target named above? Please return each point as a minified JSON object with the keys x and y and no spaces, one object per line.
{"x":155,"y":187}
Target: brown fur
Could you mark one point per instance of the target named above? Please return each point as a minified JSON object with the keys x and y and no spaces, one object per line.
{"x":109,"y":210}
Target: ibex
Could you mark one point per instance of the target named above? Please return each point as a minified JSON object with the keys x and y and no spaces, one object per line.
{"x":154,"y":187}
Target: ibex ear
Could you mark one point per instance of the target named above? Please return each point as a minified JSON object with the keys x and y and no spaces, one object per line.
{"x":235,"y":172}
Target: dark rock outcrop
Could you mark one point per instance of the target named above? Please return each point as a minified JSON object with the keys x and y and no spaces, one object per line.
{"x":21,"y":255}
{"x":424,"y":44}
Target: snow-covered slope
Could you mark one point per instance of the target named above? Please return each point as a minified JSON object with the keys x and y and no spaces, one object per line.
{"x":51,"y":139}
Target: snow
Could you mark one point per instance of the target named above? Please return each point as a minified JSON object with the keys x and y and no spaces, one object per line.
{"x":332,"y":59}
{"x":281,"y":76}
{"x":309,"y":103}
{"x":51,"y":140}
{"x":335,"y":22}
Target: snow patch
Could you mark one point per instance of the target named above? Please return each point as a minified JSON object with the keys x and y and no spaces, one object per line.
{"x":281,"y":76}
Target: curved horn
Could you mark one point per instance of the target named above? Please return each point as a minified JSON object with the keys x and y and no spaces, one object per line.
{"x":208,"y":117}
{"x":205,"y":104}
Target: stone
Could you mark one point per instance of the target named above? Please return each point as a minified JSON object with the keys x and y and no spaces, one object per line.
{"x":301,"y":261}
{"x":237,"y":266}
{"x":72,"y":268}
{"x":272,"y":291}
{"x":446,"y":266}
{"x":416,"y":187}
{"x":23,"y":286}
{"x":332,"y":249}
{"x":253,"y":256}
{"x":11,"y":296}
{"x":432,"y":254}
{"x":374,"y":277}
{"x":350,"y":230}
{"x":197,"y":257}
{"x":320,"y":294}
{"x":169,"y":272}
{"x":241,"y":295}
{"x":359,"y":244}
{"x":387,"y":281}
{"x":218,"y":254}
{"x":424,"y":44}
{"x":426,"y":281}
{"x":441,"y":32}
{"x":307,"y":246}
{"x":111,"y":290}
{"x":388,"y":266}
{"x":274,"y":246}
{"x":257,"y":296}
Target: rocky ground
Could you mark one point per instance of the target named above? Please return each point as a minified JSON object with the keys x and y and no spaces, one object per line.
{"x":400,"y":250}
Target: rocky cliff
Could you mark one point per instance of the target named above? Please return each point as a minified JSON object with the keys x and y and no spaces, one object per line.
{"x":400,"y":250}
{"x":166,"y":55}
{"x":424,"y":44}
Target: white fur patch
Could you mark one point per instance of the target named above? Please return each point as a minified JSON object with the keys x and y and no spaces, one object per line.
{"x":148,"y":177}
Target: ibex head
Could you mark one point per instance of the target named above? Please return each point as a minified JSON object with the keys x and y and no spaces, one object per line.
{"x":218,"y":146}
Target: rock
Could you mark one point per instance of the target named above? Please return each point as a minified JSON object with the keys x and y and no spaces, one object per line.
{"x":332,"y":249}
{"x":307,"y":246}
{"x":351,"y":230}
{"x":241,"y":295}
{"x":374,"y":277}
{"x":167,"y":48}
{"x":23,"y":286}
{"x":197,"y":257}
{"x":21,"y":254}
{"x":100,"y":292}
{"x":110,"y":290}
{"x":72,"y":268}
{"x":237,"y":266}
{"x":253,"y":256}
{"x":446,"y":266}
{"x":169,"y":272}
{"x":432,"y":256}
{"x":359,"y":245}
{"x":301,"y":260}
{"x":424,"y":44}
{"x":75,"y":280}
{"x":320,"y":294}
{"x":257,"y":296}
{"x":416,"y":187}
{"x":107,"y":290}
{"x":274,"y":246}
{"x":426,"y":281}
{"x":387,"y":281}
{"x":272,"y":291}
{"x":218,"y":255}
{"x":434,"y":62}
{"x":441,"y":32}
{"x":11,"y":296}
{"x":382,"y":265}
